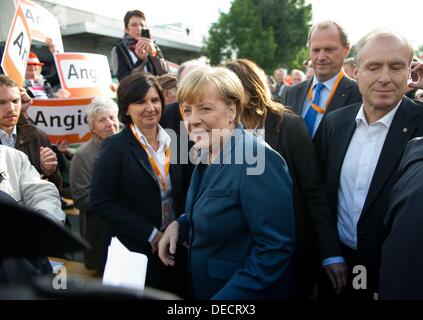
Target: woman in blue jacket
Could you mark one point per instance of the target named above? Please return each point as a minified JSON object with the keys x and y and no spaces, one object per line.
{"x":239,"y":212}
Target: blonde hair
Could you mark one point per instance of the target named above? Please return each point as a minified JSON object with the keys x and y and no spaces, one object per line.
{"x":225,"y":82}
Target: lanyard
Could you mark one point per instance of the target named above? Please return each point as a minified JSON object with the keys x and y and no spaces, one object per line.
{"x":335,"y":86}
{"x":163,"y":180}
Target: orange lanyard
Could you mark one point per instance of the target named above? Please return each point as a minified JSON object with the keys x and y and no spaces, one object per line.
{"x":310,"y":93}
{"x":163,"y":180}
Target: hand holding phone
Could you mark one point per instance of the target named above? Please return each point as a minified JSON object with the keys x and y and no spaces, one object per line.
{"x":145,"y":33}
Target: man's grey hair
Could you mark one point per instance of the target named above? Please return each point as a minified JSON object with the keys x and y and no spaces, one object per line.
{"x":349,"y":62}
{"x":97,"y":105}
{"x":343,"y":36}
{"x":188,"y":65}
{"x":380,"y":34}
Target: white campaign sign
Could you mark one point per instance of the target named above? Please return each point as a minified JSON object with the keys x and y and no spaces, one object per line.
{"x":19,"y":46}
{"x":60,"y":121}
{"x":86,"y":73}
{"x":42,"y":23}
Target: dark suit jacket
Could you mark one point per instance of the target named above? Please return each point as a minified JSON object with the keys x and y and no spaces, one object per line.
{"x":347,"y":93}
{"x":171,"y":120}
{"x":126,"y":194}
{"x":171,"y":117}
{"x":242,"y":226}
{"x":332,"y":143}
{"x":156,"y":66}
{"x":290,"y":138}
{"x":402,"y":258}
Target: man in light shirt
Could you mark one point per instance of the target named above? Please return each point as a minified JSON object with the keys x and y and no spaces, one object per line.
{"x":16,"y":131}
{"x":359,"y":149}
{"x":20,"y":180}
{"x":328,"y":47}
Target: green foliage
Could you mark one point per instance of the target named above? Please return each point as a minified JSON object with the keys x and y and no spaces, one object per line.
{"x":300,"y":58}
{"x":270,"y":32}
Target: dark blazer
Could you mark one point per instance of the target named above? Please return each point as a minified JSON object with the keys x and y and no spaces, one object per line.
{"x":126,"y":194}
{"x":121,"y":57}
{"x":331,"y":145}
{"x":347,"y":93}
{"x":171,"y":117}
{"x":402,"y":258}
{"x":289,"y":137}
{"x":242,"y":225}
{"x":171,"y":120}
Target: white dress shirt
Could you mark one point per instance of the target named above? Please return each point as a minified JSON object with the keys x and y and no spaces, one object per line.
{"x":160,"y":158}
{"x":357,"y":172}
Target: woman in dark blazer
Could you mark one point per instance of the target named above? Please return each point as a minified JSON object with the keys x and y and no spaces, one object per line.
{"x":286,"y":133}
{"x":135,"y":188}
{"x":137,"y":50}
{"x":239,"y":216}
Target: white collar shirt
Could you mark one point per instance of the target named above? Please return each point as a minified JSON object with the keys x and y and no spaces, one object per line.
{"x":357,"y":172}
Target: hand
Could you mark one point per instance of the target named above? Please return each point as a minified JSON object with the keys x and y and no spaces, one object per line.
{"x":338,"y":274}
{"x":167,"y":244}
{"x":48,"y":161}
{"x":62,"y":146}
{"x":62,"y":94}
{"x":154,"y":243}
{"x":417,"y":69}
{"x":114,"y":87}
{"x":51,"y":45}
{"x":145,"y":47}
{"x":26,"y":101}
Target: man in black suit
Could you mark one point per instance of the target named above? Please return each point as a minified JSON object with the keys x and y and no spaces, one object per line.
{"x":402,"y":258}
{"x":360,"y":147}
{"x":329,"y":46}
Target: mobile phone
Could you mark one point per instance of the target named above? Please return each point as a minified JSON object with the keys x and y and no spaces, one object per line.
{"x":145,"y":33}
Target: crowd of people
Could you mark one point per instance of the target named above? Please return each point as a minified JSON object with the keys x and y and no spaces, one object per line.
{"x":235,"y":187}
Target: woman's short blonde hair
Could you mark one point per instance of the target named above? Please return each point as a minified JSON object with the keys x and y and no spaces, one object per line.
{"x":225,"y":82}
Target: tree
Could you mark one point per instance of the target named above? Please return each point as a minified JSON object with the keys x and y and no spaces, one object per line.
{"x":240,"y":34}
{"x":270,"y":32}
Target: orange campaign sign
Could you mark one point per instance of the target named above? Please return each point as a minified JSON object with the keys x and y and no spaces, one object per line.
{"x":17,"y":48}
{"x":84,"y":74}
{"x":61,"y":119}
{"x":42,"y":23}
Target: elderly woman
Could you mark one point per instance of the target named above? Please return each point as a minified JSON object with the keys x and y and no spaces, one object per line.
{"x":135,"y":187}
{"x":137,"y":50}
{"x":286,"y":133}
{"x":102,"y":118}
{"x":239,"y":219}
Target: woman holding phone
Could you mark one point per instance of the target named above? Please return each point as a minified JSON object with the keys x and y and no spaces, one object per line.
{"x":137,"y":50}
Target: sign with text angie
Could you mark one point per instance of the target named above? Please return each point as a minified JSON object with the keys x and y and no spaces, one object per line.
{"x":16,"y":52}
{"x":43,"y":23}
{"x":61,"y":119}
{"x":84,"y":74}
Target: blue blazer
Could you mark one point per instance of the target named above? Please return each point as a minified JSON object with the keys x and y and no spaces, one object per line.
{"x":241,"y":226}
